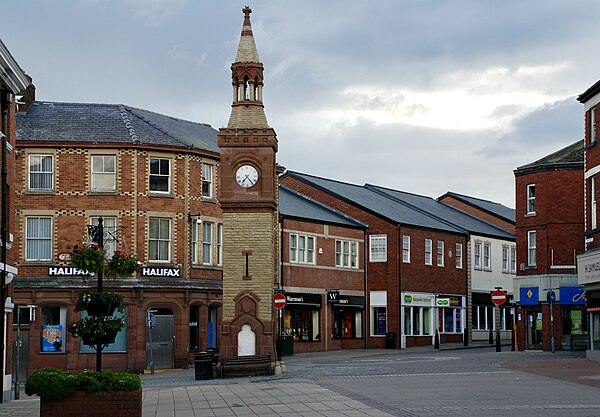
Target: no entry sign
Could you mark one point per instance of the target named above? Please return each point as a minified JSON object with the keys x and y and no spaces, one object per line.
{"x":279,"y":300}
{"x":498,"y":297}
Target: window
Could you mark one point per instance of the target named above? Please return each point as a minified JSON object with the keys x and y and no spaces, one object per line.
{"x":406,"y":249}
{"x":505,"y":259}
{"x":477,"y":255}
{"x":483,"y":317}
{"x":378,"y":248}
{"x":120,"y":344}
{"x":428,"y":258}
{"x":592,"y":124}
{"x":38,"y":242}
{"x":513,"y":259}
{"x":459,"y":255}
{"x":219,"y":244}
{"x":109,"y":224}
{"x":294,"y":249}
{"x":207,"y":243}
{"x":302,"y":249}
{"x":207,"y":181}
{"x":194,"y":241}
{"x":531,"y":248}
{"x":346,"y":254}
{"x":347,"y":324}
{"x":378,"y":303}
{"x":159,"y":240}
{"x":593,"y":202}
{"x":160,"y":175}
{"x":302,"y":324}
{"x":194,"y":326}
{"x":450,"y":320}
{"x":417,"y":321}
{"x":531,"y":199}
{"x":103,"y":173}
{"x":440,"y":253}
{"x":41,"y":172}
{"x":54,"y":324}
{"x":487,"y":256}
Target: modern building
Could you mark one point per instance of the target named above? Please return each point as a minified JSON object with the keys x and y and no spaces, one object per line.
{"x":589,"y":262}
{"x":550,"y":226}
{"x":14,"y":84}
{"x":153,"y":180}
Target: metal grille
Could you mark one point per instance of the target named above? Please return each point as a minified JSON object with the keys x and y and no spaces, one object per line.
{"x":163,"y":336}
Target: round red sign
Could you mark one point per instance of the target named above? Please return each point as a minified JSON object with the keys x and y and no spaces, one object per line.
{"x":498,"y":297}
{"x":279,"y":300}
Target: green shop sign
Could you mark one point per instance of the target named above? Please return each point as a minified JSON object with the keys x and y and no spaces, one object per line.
{"x":442,"y":302}
{"x":408,"y":299}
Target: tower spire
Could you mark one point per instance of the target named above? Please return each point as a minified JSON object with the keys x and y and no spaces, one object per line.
{"x":247,"y":110}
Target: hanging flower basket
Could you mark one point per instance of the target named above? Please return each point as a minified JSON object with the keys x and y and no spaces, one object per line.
{"x":99,"y":303}
{"x":94,"y":330}
{"x":122,"y":264}
{"x":88,"y":257}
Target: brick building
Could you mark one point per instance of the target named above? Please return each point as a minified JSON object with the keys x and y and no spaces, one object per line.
{"x":14,"y":84}
{"x":589,"y":262}
{"x":549,"y":223}
{"x":153,"y":179}
{"x":322,"y":274}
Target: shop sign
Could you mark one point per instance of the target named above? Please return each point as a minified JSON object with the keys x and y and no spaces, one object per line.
{"x":442,"y":302}
{"x":572,"y":295}
{"x":313,"y":300}
{"x":332,"y":297}
{"x":350,"y":301}
{"x":161,"y":272}
{"x":52,"y":337}
{"x":417,"y":299}
{"x":529,"y":296}
{"x":588,"y":267}
{"x":66,"y":271}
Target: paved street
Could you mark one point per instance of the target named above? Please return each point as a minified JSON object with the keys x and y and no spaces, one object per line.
{"x":419,"y":382}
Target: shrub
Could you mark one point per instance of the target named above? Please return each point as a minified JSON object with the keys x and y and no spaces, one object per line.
{"x":52,"y":384}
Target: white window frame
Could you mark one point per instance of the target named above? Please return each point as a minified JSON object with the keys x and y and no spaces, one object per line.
{"x":95,"y":175}
{"x":110,"y":225}
{"x":593,"y":214}
{"x":41,"y":172}
{"x":159,"y":175}
{"x":207,"y":243}
{"x":530,"y":198}
{"x":440,"y":253}
{"x":406,"y":249}
{"x":428,"y":252}
{"x":219,"y":244}
{"x":302,"y":249}
{"x":194,"y":240}
{"x":592,"y":124}
{"x":458,"y":258}
{"x":378,"y":248}
{"x":531,"y":248}
{"x":513,"y":259}
{"x":505,"y":258}
{"x":30,"y":238}
{"x":487,"y":256}
{"x":160,"y":239}
{"x":346,"y":254}
{"x":208,"y":180}
{"x":477,"y":255}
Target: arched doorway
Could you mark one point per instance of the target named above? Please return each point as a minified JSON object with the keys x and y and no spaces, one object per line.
{"x":160,"y":337}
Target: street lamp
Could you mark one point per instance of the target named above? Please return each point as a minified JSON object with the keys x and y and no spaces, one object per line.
{"x":551,"y":297}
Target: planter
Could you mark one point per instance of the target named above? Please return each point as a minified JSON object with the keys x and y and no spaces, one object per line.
{"x":94,"y":404}
{"x":105,"y":339}
{"x":97,"y":307}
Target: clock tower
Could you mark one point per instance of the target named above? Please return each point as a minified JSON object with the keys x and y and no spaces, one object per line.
{"x":248,"y":198}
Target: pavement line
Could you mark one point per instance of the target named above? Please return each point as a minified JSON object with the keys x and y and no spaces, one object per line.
{"x":505,"y":407}
{"x":420,"y":374}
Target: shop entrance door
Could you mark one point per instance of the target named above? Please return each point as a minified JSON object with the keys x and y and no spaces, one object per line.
{"x":161,"y":341}
{"x":534,"y":330}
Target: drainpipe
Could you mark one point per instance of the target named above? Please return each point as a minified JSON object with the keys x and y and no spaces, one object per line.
{"x":367,"y":303}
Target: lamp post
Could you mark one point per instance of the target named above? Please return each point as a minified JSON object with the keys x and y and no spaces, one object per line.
{"x":551,"y":297}
{"x":96,"y":234}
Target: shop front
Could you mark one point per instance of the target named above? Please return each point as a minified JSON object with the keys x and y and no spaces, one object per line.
{"x":347,"y":324}
{"x":418,"y":326}
{"x":530,"y":318}
{"x":588,"y":274}
{"x":451,"y":317}
{"x":573,"y":318}
{"x":302,"y":321}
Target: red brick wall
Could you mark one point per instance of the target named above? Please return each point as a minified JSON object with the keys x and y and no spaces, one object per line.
{"x":558,"y":220}
{"x":91,"y":404}
{"x":479,"y":213}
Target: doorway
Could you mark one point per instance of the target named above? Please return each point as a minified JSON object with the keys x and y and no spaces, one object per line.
{"x":534,"y":330}
{"x":160,"y":341}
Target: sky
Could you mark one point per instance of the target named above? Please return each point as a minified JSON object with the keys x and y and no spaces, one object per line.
{"x":424,"y":96}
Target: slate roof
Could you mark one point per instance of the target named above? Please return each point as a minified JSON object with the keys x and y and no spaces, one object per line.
{"x":569,"y":157}
{"x":378,"y":203}
{"x":497,"y":209}
{"x":111,"y":123}
{"x":295,"y":205}
{"x":589,"y":93}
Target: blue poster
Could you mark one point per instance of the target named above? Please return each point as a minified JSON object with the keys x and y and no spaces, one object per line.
{"x":381,"y":322}
{"x":530,"y":296}
{"x":52,"y":338}
{"x":572,"y":295}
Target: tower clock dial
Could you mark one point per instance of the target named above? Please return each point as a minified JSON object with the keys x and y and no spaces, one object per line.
{"x":246,"y":176}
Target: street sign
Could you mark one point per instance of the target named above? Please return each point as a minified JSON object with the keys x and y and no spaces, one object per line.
{"x":498,"y":297}
{"x":551,"y":296}
{"x":279,"y":300}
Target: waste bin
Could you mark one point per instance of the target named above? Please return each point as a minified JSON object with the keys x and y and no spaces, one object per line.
{"x":288,"y":345}
{"x":390,"y":340}
{"x":203,"y":365}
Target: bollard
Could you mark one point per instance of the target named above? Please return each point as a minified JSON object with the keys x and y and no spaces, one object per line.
{"x":498,"y":346}
{"x":436,"y":343}
{"x":512,"y":340}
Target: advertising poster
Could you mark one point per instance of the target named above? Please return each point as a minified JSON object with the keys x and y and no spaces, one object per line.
{"x":381,"y":325}
{"x":576,"y":326}
{"x":52,"y":339}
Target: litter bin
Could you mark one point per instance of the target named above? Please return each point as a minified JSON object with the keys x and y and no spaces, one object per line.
{"x":203,"y":365}
{"x":288,"y":346}
{"x":390,"y":340}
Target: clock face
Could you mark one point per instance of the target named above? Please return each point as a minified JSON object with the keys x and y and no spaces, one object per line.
{"x":246,"y":176}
